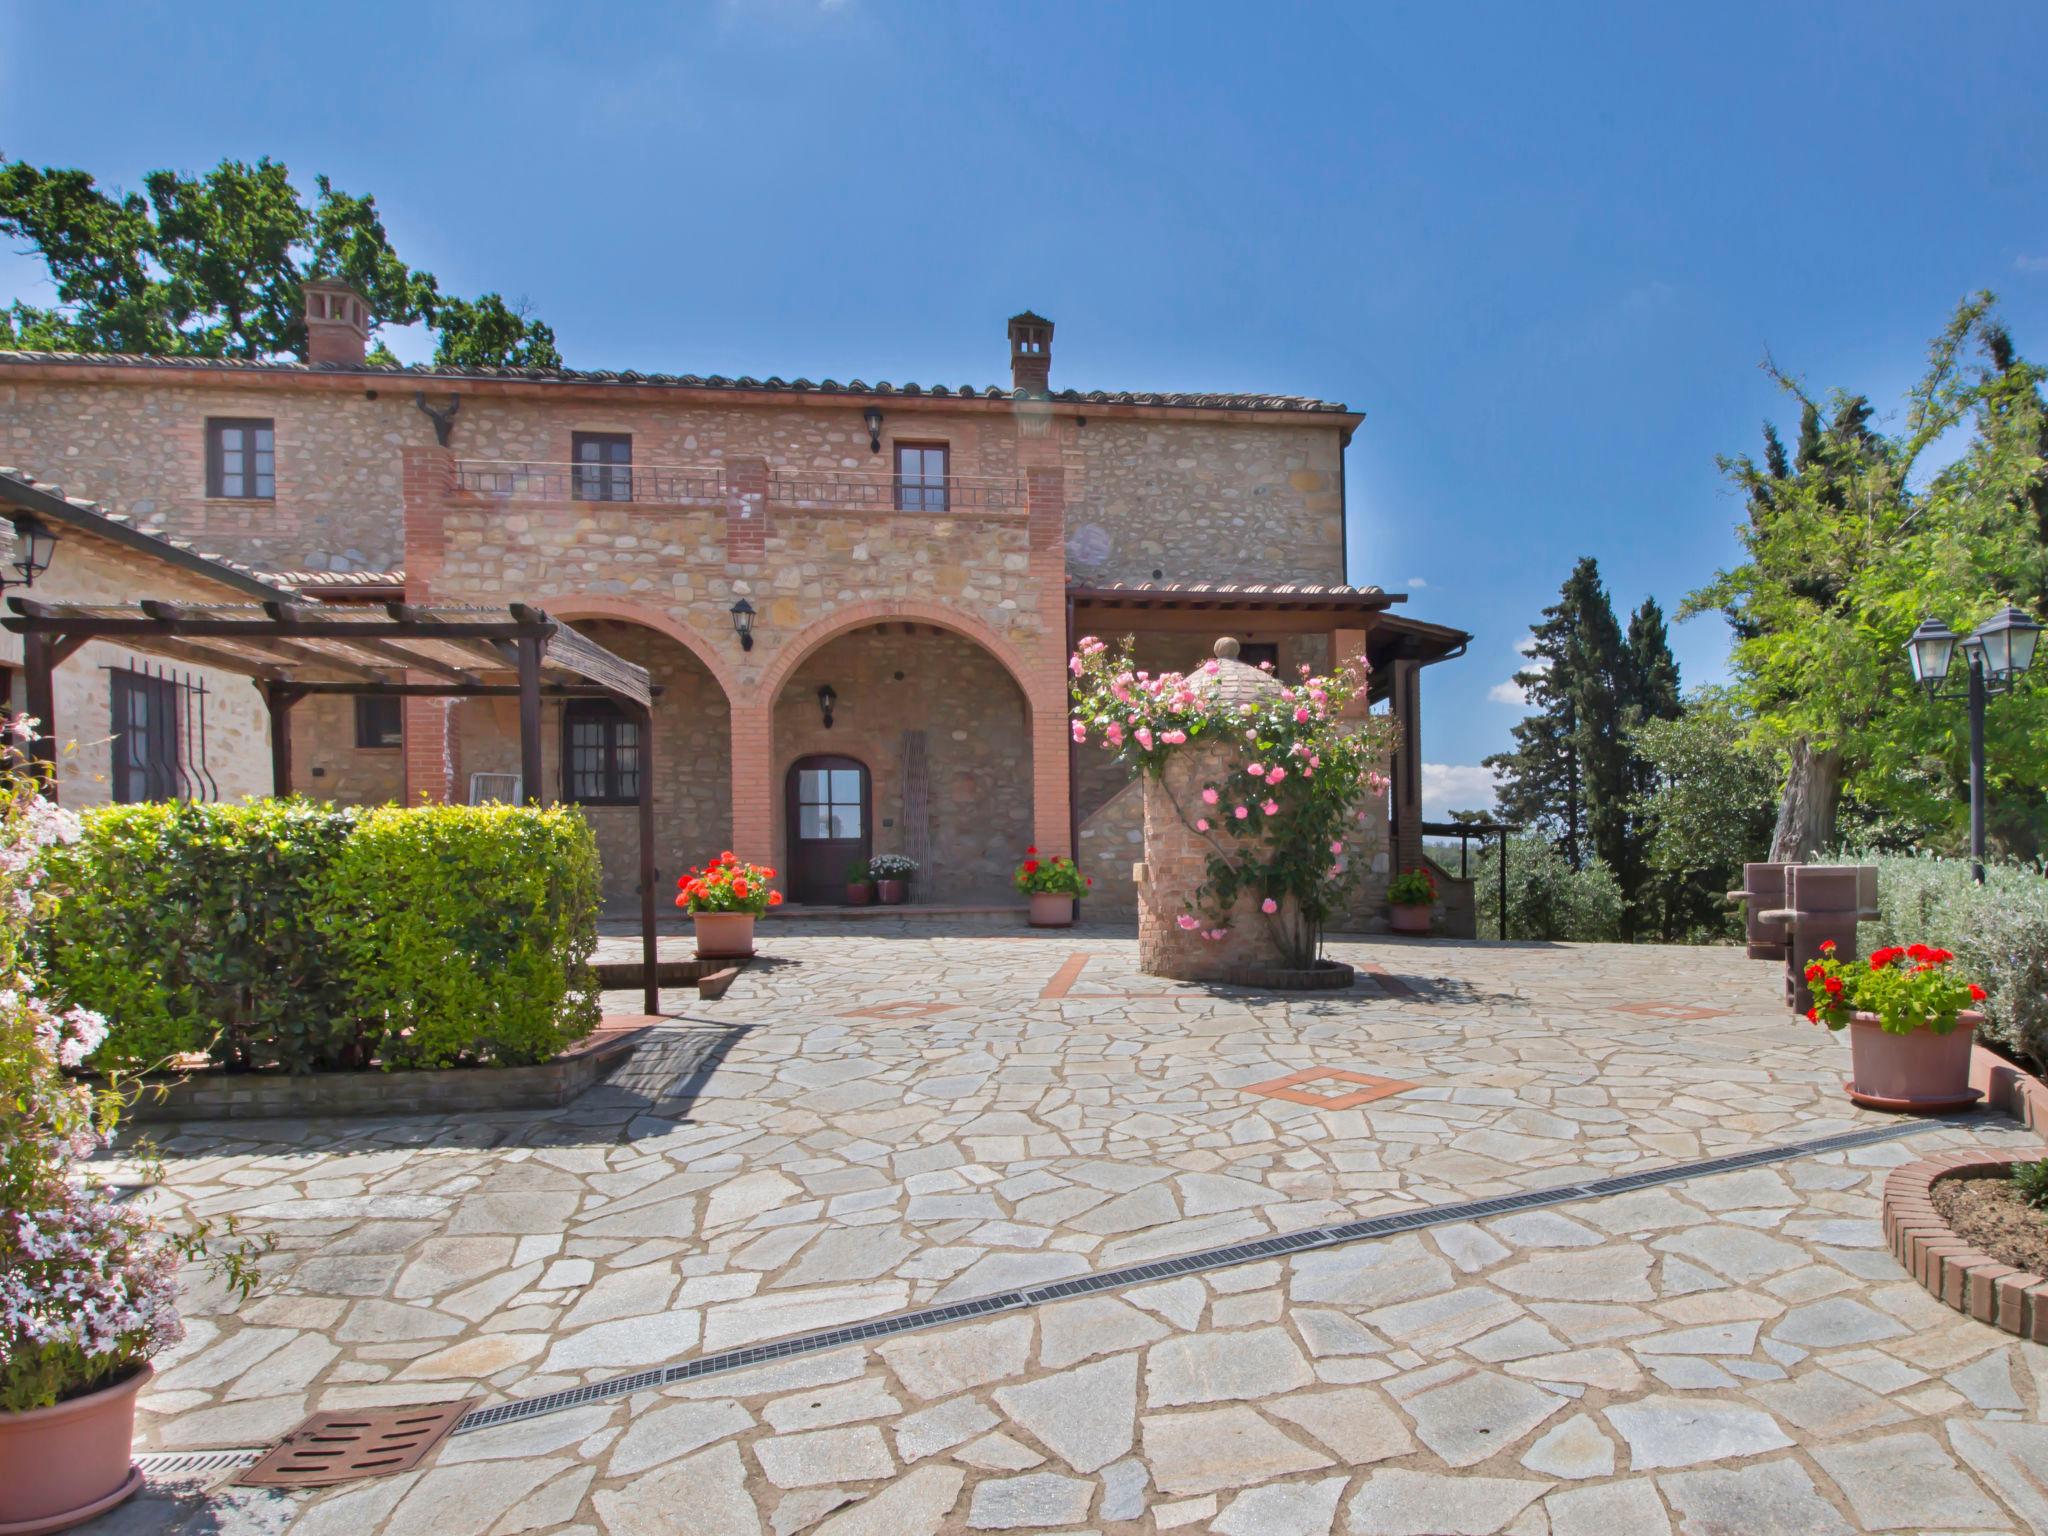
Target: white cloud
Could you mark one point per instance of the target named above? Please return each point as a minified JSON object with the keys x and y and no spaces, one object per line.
{"x":1417,"y":583}
{"x":1509,"y":692}
{"x":1526,"y":645}
{"x":1448,"y":787}
{"x":2030,"y":263}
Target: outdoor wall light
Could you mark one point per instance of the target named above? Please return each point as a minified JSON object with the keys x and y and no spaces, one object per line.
{"x":743,"y":623}
{"x":873,"y":417}
{"x":34,"y":543}
{"x":827,"y":697}
{"x":1996,"y":653}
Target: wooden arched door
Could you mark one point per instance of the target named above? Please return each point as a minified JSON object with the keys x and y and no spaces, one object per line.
{"x":831,"y":824}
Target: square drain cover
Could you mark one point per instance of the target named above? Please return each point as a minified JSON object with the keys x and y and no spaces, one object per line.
{"x":345,"y":1447}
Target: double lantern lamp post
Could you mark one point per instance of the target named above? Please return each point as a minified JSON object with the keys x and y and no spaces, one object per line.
{"x":1996,"y":654}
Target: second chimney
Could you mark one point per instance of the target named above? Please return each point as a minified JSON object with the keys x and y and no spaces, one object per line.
{"x":1030,"y":353}
{"x":337,"y":322}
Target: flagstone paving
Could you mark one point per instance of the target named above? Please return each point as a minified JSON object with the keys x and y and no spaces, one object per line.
{"x":894,"y":1116}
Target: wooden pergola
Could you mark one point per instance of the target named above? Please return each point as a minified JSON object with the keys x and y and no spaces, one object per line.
{"x":292,"y":651}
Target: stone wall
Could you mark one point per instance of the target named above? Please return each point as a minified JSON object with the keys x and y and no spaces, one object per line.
{"x":226,"y":730}
{"x":692,"y":762}
{"x":1112,"y":841}
{"x":977,"y":747}
{"x":1228,"y":502}
{"x":328,"y":765}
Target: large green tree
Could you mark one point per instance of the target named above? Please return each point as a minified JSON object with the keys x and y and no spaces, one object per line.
{"x":211,"y":266}
{"x":1848,"y":544}
{"x":1704,"y":806}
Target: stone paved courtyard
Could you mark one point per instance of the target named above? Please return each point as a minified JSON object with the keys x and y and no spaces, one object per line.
{"x":887,"y":1117}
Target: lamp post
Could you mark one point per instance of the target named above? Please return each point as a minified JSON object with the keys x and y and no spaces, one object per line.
{"x":1996,"y":653}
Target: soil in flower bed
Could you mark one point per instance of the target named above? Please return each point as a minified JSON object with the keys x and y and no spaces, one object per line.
{"x":1990,"y":1214}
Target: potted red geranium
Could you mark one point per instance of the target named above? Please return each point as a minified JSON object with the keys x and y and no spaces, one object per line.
{"x":1053,"y":885}
{"x":1909,"y":1021}
{"x":1411,"y":899}
{"x":723,"y":899}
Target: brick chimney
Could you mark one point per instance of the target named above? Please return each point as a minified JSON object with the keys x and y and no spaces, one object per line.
{"x":337,"y":322}
{"x":1030,"y":353}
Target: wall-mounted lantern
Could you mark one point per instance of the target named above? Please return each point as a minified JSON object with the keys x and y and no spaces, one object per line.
{"x":873,"y":417}
{"x":743,"y":623}
{"x":34,"y":543}
{"x":827,"y":697}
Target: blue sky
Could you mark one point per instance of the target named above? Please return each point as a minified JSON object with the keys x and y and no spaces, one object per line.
{"x":1543,"y":248}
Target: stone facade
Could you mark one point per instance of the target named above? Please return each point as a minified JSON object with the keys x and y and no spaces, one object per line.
{"x":741,"y":490}
{"x":223,"y":728}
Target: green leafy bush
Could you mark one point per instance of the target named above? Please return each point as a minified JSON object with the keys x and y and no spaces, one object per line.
{"x":197,"y":928}
{"x":1547,"y":898}
{"x":466,"y":931}
{"x":1998,"y":930}
{"x":288,"y":934}
{"x":2031,"y":1179}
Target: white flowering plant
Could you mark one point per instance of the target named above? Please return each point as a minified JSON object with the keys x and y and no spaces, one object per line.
{"x":88,"y":1285}
{"x":1280,"y":819}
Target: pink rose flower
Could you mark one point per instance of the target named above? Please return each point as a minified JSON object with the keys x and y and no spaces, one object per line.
{"x":1115,"y":733}
{"x":1257,"y":770}
{"x":1301,"y":715}
{"x":1080,"y":730}
{"x":1337,"y":846}
{"x":1275,"y":774}
{"x":1209,"y":797}
{"x":1201,"y":823}
{"x":1189,"y":921}
{"x":1271,"y":807}
{"x":1240,"y":813}
{"x":1145,"y":737}
{"x":1269,"y":906}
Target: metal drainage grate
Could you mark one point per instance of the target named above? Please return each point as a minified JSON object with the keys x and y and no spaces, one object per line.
{"x":194,"y":1466}
{"x":333,"y":1448}
{"x":1171,"y":1268}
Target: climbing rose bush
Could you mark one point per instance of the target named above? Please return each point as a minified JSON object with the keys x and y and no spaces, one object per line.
{"x":727,"y":884}
{"x":1281,"y":821}
{"x":87,"y":1285}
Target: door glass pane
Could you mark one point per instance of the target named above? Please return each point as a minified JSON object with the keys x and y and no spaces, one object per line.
{"x":812,"y":822}
{"x":846,"y":786}
{"x":810,"y":786}
{"x":846,"y":821}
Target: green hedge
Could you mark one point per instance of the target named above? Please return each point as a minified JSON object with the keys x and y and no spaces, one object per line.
{"x":1998,"y":930}
{"x":314,"y":937}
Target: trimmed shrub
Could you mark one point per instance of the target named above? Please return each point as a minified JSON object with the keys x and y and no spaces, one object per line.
{"x":1998,"y":930}
{"x":1547,"y":898}
{"x":289,"y":934}
{"x":467,"y":931}
{"x":196,"y":928}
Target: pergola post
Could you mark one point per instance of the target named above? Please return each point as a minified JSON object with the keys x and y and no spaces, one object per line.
{"x":278,"y":698}
{"x":650,"y":983}
{"x":39,"y":660}
{"x":529,"y":720}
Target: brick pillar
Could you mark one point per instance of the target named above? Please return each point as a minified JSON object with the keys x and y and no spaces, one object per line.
{"x":433,"y":770}
{"x":1052,"y":827}
{"x":753,"y":780}
{"x":746,"y":511}
{"x":1407,"y":696}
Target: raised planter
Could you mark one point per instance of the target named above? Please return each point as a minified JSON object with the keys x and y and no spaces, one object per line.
{"x":892,"y":893}
{"x":214,"y":1095}
{"x":62,"y":1465}
{"x":1409,"y":919}
{"x":724,"y":935}
{"x":1917,"y":1073}
{"x":1964,"y":1277}
{"x":1323,"y":976}
{"x":709,"y":977}
{"x":1051,"y":910}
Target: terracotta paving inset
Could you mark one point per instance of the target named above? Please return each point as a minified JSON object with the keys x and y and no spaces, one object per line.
{"x":1291,"y":1088}
{"x":908,"y":1008}
{"x":1677,"y":1013}
{"x":1062,"y":986}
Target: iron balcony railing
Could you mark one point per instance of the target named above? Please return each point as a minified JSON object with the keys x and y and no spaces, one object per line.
{"x":856,"y":490}
{"x":538,"y":480}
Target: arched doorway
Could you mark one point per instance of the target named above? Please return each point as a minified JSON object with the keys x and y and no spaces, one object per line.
{"x":829,"y":813}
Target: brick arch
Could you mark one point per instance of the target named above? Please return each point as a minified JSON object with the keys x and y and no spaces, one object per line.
{"x":622,"y":610}
{"x":861,"y":615}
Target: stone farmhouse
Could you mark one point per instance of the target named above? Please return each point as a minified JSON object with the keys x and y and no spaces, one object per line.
{"x":856,"y":600}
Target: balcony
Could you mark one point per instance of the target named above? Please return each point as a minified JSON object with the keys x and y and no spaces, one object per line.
{"x":853,"y":490}
{"x":643,"y":484}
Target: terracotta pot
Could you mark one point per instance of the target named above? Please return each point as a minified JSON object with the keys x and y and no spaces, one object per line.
{"x":1051,"y":910}
{"x":859,"y":895}
{"x":62,"y":1465}
{"x":725,"y":935}
{"x":893,"y":893}
{"x":1409,"y":919}
{"x":1920,"y":1072}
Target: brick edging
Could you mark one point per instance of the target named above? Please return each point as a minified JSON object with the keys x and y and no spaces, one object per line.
{"x":1965,"y":1278}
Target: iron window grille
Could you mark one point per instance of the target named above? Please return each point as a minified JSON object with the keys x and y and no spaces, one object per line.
{"x":159,"y":735}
